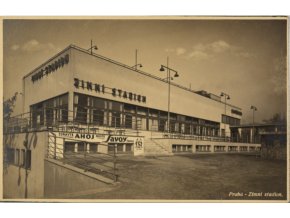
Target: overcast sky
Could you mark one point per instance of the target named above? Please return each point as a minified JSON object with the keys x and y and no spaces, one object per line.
{"x":244,"y":58}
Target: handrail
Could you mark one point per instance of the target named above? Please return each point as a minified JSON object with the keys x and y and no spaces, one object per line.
{"x":77,"y":121}
{"x":98,"y":163}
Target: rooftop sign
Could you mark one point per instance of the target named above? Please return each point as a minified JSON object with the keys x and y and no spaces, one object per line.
{"x":50,"y":68}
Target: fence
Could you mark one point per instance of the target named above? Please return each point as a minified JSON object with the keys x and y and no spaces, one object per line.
{"x":92,"y":161}
{"x":57,"y":119}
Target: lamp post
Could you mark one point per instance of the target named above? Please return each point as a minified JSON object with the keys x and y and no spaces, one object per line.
{"x":136,"y":60}
{"x":169,"y":78}
{"x":227,"y":97}
{"x":92,"y":47}
{"x":254,"y":108}
{"x":136,"y":65}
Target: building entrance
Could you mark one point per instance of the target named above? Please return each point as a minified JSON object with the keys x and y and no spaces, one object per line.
{"x":69,"y":147}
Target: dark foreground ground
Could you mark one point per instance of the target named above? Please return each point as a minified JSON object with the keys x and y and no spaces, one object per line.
{"x":197,"y":177}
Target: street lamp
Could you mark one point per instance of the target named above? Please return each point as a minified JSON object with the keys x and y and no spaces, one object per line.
{"x":136,"y":60}
{"x":92,"y":47}
{"x":136,"y":65}
{"x":227,"y":97}
{"x":254,"y":108}
{"x":169,"y":78}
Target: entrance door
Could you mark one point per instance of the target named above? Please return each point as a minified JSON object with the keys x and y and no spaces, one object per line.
{"x":69,"y":147}
{"x":93,"y":147}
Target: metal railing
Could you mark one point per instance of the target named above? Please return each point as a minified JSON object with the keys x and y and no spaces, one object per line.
{"x":103,"y":122}
{"x":38,"y":121}
{"x":104,"y":164}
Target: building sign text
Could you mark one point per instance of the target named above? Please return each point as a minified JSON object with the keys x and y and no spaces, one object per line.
{"x":53,"y":66}
{"x":100,"y":88}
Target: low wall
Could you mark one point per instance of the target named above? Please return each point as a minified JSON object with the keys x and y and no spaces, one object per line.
{"x":65,"y":181}
{"x":20,"y":182}
{"x":169,"y":142}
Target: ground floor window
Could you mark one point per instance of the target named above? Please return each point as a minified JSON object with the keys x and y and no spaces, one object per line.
{"x":232,"y":148}
{"x":219,"y":148}
{"x":81,"y":147}
{"x":202,"y":148}
{"x":181,"y":148}
{"x":10,"y":153}
{"x":120,"y":148}
{"x":243,"y":148}
{"x":19,"y":157}
{"x":92,"y":147}
{"x":70,"y":147}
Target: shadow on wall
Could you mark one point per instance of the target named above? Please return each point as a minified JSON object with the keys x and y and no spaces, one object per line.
{"x":11,"y":143}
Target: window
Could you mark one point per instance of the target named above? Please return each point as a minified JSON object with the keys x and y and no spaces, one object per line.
{"x":93,"y":147}
{"x":202,"y":148}
{"x":19,"y":157}
{"x":230,"y":120}
{"x":219,"y":148}
{"x":252,"y":148}
{"x":243,"y":148}
{"x":233,"y":148}
{"x":10,"y":153}
{"x":98,"y":117}
{"x":128,"y":121}
{"x":81,"y":114}
{"x":16,"y":157}
{"x":181,"y":148}
{"x":28,"y":159}
{"x":22,"y":158}
{"x":50,"y":111}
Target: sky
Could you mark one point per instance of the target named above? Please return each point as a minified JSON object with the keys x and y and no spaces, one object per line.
{"x":244,"y":58}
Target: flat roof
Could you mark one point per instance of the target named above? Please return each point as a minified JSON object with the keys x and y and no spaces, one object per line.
{"x":122,"y":65}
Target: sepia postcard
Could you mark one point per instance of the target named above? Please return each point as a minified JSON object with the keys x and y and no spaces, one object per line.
{"x":145,"y":109}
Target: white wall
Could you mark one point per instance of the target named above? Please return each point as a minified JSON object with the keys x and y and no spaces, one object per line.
{"x":51,"y":85}
{"x":97,"y":70}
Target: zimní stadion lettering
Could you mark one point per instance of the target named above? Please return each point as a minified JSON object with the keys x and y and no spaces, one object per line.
{"x":101,"y":88}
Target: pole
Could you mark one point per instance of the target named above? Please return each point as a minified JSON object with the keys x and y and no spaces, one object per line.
{"x":91,"y":46}
{"x":253,"y":136}
{"x":168,"y":115}
{"x":225,"y":114}
{"x":115,"y":162}
{"x":54,"y":155}
{"x":253,"y":117}
{"x":136,"y":56}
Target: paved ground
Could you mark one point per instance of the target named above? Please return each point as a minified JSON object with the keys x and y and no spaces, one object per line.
{"x":197,"y":177}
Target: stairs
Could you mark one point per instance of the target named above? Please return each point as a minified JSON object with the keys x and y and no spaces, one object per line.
{"x":153,"y":148}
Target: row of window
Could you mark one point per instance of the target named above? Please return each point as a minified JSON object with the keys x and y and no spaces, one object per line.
{"x":75,"y":147}
{"x":230,"y":120}
{"x":50,"y":111}
{"x":88,"y":109}
{"x":19,"y":157}
{"x":181,"y":148}
{"x":98,"y":111}
{"x":222,"y":148}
